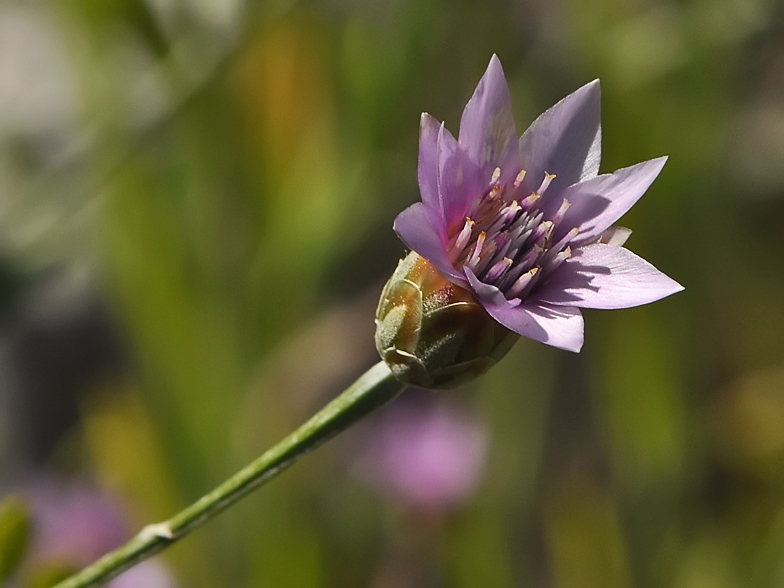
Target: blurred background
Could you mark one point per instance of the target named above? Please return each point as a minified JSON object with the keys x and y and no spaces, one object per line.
{"x":196,"y":206}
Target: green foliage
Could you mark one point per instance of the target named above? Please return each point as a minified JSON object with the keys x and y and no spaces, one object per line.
{"x":14,"y":534}
{"x":48,"y":575}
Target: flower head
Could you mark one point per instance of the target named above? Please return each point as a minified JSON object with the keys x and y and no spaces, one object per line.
{"x":526,"y":224}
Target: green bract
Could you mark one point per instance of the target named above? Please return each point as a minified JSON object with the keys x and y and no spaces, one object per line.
{"x":432,"y":333}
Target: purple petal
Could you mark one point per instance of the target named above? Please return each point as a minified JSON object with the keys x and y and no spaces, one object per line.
{"x":599,"y":202}
{"x":604,"y":276}
{"x":565,"y":141}
{"x":488,"y":293}
{"x":457,"y":183}
{"x":427,"y":170}
{"x":559,"y":326}
{"x":487,"y":128}
{"x":414,"y":228}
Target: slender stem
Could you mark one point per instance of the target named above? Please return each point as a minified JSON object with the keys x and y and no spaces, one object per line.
{"x":376,"y":387}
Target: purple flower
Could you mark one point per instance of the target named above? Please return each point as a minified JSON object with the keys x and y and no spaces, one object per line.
{"x":429,"y":453}
{"x":75,"y":523}
{"x":527,"y":224}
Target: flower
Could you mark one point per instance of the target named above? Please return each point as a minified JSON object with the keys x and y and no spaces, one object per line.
{"x":75,"y":523}
{"x":526,"y":224}
{"x":425,"y":451}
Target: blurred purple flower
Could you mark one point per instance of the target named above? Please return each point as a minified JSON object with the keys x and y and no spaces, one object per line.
{"x":75,"y":524}
{"x":526,"y":225}
{"x":429,"y":453}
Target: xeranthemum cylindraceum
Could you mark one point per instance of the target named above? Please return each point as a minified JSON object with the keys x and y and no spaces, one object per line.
{"x":527,"y":224}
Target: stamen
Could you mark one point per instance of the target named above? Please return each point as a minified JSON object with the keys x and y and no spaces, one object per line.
{"x":545,"y":182}
{"x":559,"y":259}
{"x":558,"y":216}
{"x":530,"y":258}
{"x":542,"y":232}
{"x":494,"y":192}
{"x":518,"y":235}
{"x":534,"y":222}
{"x":497,"y":270}
{"x":480,"y":241}
{"x":502,"y":245}
{"x":528,"y":202}
{"x":521,"y":283}
{"x":496,"y":175}
{"x":465,"y":235}
{"x":566,"y":239}
{"x":511,"y":211}
{"x":519,"y":179}
{"x":505,"y":218}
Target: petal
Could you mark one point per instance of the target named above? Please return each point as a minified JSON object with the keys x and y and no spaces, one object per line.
{"x":487,"y":292}
{"x":427,"y":170}
{"x":615,"y":236}
{"x":604,"y":276}
{"x":565,"y":141}
{"x":414,"y":228}
{"x":599,"y":202}
{"x":559,"y":326}
{"x":487,"y":128}
{"x":456,"y":179}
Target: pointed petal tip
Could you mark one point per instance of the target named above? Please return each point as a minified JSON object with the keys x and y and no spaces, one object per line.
{"x":428,"y":118}
{"x":592,"y":88}
{"x":660,"y":161}
{"x":495,"y":62}
{"x":428,"y":125}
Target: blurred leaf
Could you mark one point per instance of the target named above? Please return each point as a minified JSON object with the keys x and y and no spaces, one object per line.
{"x":710,"y":561}
{"x":48,"y":575}
{"x":752,"y":422}
{"x":641,"y":398}
{"x":14,"y":534}
{"x":586,"y":545}
{"x":288,"y":550}
{"x":126,"y":452}
{"x":481,"y":554}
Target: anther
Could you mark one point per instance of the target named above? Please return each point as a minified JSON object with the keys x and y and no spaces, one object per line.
{"x":543,"y":231}
{"x":545,"y":182}
{"x":528,"y":202}
{"x":559,"y":259}
{"x":566,"y":239}
{"x":530,"y":258}
{"x":480,"y":241}
{"x":496,"y":175}
{"x":519,"y":179}
{"x":559,"y":215}
{"x":508,"y":213}
{"x":465,"y":235}
{"x":497,"y":270}
{"x":521,"y":283}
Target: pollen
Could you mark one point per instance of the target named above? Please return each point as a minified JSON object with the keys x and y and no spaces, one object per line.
{"x":519,"y":179}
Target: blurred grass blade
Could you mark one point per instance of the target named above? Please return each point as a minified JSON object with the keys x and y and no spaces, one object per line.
{"x":14,"y":534}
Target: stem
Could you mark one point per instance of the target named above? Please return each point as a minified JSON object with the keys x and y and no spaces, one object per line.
{"x":376,"y":387}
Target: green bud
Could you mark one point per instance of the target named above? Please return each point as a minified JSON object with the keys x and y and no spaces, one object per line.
{"x":432,"y":333}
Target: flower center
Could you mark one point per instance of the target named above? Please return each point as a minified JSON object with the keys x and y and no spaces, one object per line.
{"x":510,"y":245}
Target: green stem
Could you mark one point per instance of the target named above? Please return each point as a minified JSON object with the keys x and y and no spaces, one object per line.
{"x":376,"y":387}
